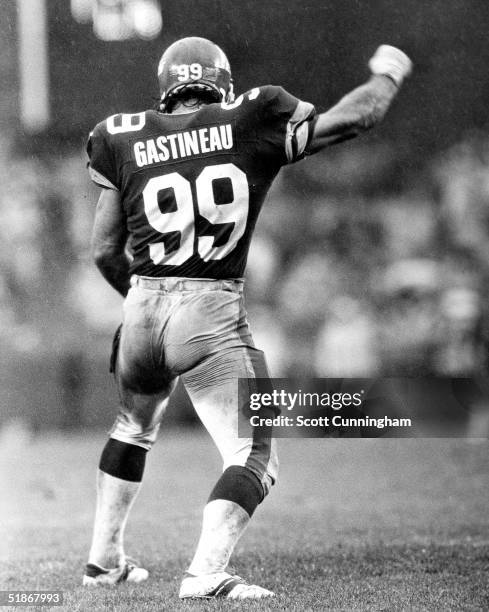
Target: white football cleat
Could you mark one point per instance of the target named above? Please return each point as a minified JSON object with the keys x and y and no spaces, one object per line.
{"x":220,"y":585}
{"x":100,"y":576}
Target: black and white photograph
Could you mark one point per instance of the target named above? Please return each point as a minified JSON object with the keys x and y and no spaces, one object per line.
{"x":244,"y":305}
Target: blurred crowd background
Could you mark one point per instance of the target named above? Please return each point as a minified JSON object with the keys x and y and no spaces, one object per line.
{"x":370,"y":259}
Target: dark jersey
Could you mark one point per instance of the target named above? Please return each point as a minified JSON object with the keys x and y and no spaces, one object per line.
{"x":192,"y":184}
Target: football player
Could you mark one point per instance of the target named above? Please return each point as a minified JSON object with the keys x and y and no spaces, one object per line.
{"x":183,"y":185}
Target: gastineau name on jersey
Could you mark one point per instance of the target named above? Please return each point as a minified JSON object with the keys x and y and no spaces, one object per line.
{"x":183,"y":144}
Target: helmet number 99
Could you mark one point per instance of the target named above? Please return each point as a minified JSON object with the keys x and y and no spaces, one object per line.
{"x":186,"y":72}
{"x":228,"y":219}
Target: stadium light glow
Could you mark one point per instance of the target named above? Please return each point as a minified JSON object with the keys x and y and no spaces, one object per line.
{"x":146,"y":19}
{"x":110,"y":22}
{"x":115,"y":20}
{"x":81,"y":10}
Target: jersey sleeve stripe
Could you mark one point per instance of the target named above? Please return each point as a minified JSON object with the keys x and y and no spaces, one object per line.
{"x":297,"y":136}
{"x":100,"y":179}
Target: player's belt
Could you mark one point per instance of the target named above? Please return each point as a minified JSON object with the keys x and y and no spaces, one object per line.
{"x":175,"y":283}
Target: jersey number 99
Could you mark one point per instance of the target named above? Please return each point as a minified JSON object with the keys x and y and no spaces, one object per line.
{"x":179,"y":223}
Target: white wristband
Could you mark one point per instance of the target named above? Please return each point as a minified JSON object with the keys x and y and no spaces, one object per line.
{"x":391,"y":62}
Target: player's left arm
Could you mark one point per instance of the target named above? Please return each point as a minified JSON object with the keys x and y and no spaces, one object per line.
{"x":365,"y":106}
{"x":109,"y":238}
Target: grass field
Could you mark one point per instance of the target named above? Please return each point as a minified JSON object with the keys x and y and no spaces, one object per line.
{"x":352,"y":525}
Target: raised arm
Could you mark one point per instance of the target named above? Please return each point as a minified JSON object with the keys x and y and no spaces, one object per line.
{"x":109,"y":237}
{"x":366,"y":105}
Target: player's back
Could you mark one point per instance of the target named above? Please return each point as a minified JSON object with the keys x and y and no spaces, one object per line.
{"x":192,"y":184}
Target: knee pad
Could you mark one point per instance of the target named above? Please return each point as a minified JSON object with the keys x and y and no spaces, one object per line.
{"x":122,"y":460}
{"x":239,"y":485}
